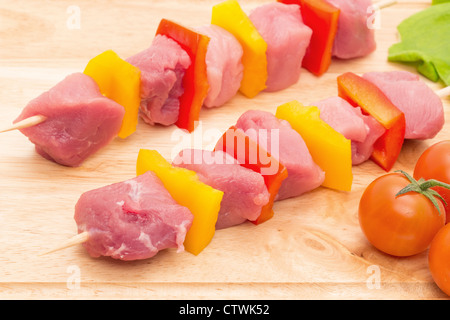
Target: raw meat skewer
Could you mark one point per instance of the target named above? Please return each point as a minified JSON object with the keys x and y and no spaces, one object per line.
{"x":38,"y":119}
{"x":34,"y":120}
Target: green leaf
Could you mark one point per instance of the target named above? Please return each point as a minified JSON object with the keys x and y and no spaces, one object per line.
{"x":425,"y":42}
{"x":439,"y":1}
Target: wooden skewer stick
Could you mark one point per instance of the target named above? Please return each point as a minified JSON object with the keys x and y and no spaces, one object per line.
{"x":26,"y":123}
{"x":384,"y":3}
{"x":443,"y":92}
{"x":75,"y":240}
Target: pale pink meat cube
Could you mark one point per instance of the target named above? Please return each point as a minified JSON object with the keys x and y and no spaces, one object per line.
{"x":132,"y":219}
{"x":223,"y":65}
{"x":423,"y":109}
{"x":287,"y":37}
{"x":80,"y":120}
{"x":355,"y":36}
{"x":162,"y":67}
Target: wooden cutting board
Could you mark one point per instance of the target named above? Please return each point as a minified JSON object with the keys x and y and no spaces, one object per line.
{"x":313,"y":248}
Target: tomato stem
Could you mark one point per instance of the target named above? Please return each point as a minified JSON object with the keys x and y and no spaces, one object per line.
{"x":423,"y":187}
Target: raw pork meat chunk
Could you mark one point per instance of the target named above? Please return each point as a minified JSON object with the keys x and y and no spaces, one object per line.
{"x":287,"y":38}
{"x":132,"y":220}
{"x":80,"y":120}
{"x":354,"y":37}
{"x":245,"y":192}
{"x":285,"y":144}
{"x":362,"y":130}
{"x":423,"y":109}
{"x":162,"y":67}
{"x":223,"y":65}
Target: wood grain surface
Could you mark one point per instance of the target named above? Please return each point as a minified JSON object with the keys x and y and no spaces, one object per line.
{"x":313,"y":248}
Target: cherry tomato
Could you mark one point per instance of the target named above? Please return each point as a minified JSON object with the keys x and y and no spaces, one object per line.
{"x":434,"y":163}
{"x":439,"y":259}
{"x":401,"y":225}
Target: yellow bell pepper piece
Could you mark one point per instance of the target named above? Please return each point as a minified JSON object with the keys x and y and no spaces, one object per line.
{"x":230,"y":16}
{"x":187,"y":190}
{"x":329,"y":148}
{"x":120,"y":81}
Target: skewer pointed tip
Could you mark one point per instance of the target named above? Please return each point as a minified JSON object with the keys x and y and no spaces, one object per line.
{"x":25,"y":123}
{"x":75,"y":240}
{"x":384,"y":3}
{"x":442,"y":93}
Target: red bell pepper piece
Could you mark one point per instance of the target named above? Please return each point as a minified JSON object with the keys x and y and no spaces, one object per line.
{"x":322,"y":17}
{"x":195,"y":81}
{"x":360,"y":92}
{"x":250,"y":155}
